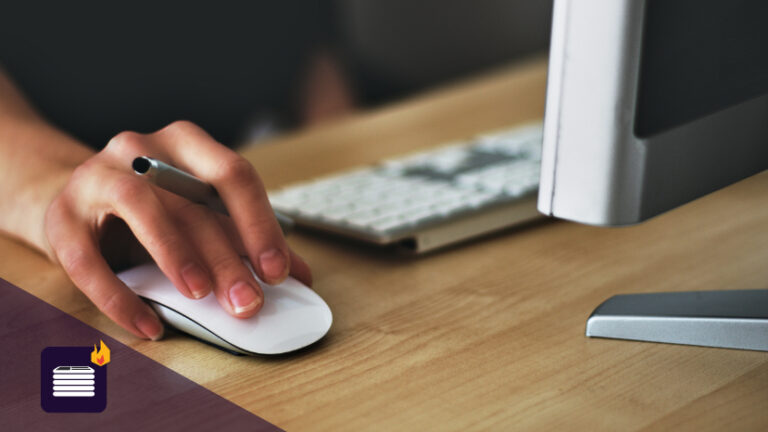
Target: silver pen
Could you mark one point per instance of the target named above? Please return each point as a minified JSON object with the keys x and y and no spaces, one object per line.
{"x":188,"y":186}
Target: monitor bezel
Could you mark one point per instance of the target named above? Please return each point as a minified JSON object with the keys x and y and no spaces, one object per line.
{"x":595,"y":170}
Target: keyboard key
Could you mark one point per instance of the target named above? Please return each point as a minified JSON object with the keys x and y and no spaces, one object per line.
{"x":408,"y":192}
{"x":387,"y":223}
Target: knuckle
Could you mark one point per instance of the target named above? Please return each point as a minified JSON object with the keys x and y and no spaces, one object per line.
{"x":127,"y":188}
{"x":179,"y":126}
{"x":224,"y":263}
{"x":112,"y":304}
{"x":182,"y":124}
{"x":75,"y":262}
{"x":126,"y":142}
{"x":260,"y":226}
{"x":56,"y":210}
{"x":80,"y":174}
{"x":55,"y":213}
{"x":166,"y":245}
{"x":236,"y":170}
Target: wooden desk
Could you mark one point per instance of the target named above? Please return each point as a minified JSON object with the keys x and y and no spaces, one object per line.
{"x":489,"y":335}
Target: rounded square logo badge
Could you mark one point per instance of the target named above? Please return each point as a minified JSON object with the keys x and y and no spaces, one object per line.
{"x":71,"y":382}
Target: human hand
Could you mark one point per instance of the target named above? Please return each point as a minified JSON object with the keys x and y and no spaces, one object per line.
{"x":197,"y":249}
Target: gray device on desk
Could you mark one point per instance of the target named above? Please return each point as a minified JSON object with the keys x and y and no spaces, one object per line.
{"x":651,"y":104}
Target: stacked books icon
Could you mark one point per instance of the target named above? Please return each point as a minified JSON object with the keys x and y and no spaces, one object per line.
{"x":73,"y":381}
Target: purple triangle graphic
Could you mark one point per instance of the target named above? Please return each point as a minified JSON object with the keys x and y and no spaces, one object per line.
{"x":141,"y":393}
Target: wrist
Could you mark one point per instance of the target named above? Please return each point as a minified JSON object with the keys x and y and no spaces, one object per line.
{"x":42,"y":164}
{"x":28,"y":224}
{"x":36,"y":160}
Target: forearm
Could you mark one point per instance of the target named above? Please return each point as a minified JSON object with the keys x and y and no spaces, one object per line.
{"x":36,"y":160}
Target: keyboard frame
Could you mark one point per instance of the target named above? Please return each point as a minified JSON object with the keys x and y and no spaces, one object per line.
{"x":429,"y":235}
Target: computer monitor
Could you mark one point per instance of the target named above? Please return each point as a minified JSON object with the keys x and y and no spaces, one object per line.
{"x":651,"y":104}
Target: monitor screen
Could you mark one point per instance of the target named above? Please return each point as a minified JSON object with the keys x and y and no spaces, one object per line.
{"x":699,"y":57}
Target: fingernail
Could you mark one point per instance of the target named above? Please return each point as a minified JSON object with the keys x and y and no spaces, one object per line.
{"x":243,"y":297}
{"x":197,"y":280}
{"x":149,"y":325}
{"x":274,"y":266}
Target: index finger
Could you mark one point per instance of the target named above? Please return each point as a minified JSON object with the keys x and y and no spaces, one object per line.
{"x":241,"y":189}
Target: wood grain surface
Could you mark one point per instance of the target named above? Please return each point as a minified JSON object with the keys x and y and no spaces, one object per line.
{"x":488,"y":335}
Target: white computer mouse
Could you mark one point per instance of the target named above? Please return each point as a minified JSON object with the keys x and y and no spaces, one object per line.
{"x":293,"y":315}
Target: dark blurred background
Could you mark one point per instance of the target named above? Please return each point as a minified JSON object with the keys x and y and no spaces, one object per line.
{"x":244,"y":68}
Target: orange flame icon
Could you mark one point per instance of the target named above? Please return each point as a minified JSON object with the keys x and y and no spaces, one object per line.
{"x":100,"y":356}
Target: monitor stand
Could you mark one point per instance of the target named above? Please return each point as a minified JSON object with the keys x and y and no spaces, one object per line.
{"x":723,"y":319}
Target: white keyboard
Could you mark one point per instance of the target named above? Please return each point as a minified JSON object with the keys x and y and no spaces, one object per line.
{"x":428,"y":199}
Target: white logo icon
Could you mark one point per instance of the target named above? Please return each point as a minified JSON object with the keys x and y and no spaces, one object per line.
{"x":73,"y":381}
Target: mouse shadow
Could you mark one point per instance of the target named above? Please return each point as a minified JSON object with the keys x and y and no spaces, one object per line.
{"x":171,"y":332}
